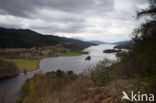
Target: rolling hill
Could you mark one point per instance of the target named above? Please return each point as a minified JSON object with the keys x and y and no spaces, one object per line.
{"x":122,"y":42}
{"x":25,"y":38}
{"x":98,"y":42}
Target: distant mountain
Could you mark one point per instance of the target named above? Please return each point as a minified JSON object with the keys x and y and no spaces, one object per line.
{"x":123,"y":45}
{"x":122,"y":42}
{"x":25,"y":38}
{"x":97,"y":42}
{"x":79,"y":38}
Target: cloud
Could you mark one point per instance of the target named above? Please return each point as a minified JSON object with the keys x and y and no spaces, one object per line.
{"x":24,"y":7}
{"x":106,"y":20}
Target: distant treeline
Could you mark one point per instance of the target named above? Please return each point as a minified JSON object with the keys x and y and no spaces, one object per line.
{"x":25,"y":38}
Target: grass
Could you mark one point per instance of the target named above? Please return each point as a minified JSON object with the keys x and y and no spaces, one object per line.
{"x":28,"y":59}
{"x":74,"y":53}
{"x":22,"y":64}
{"x":68,"y":52}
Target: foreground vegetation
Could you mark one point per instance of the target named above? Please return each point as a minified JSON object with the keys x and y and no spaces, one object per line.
{"x":102,"y":83}
{"x":134,"y":71}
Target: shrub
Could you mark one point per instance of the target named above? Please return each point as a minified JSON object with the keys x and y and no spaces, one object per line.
{"x":7,"y":69}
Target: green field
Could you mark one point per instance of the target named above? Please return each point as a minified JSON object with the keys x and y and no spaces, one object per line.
{"x":23,"y":64}
{"x":68,"y":52}
{"x":28,"y":59}
{"x":74,"y":53}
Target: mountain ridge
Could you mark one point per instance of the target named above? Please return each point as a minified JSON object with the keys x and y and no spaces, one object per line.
{"x":26,"y":38}
{"x":122,"y":42}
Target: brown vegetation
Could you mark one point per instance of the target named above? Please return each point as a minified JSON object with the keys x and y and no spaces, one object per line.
{"x":7,"y":69}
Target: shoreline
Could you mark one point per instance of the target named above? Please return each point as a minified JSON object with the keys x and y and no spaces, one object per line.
{"x":38,"y":65}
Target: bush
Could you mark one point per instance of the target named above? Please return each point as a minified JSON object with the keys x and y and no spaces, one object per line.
{"x":7,"y":69}
{"x":100,"y":74}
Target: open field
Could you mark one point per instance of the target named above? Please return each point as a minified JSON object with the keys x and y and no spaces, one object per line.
{"x":27,"y":59}
{"x":23,"y":64}
{"x":68,"y":52}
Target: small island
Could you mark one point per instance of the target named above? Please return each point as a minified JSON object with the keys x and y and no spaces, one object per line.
{"x":111,"y":51}
{"x":88,"y":58}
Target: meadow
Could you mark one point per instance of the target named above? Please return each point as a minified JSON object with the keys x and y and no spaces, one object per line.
{"x":27,"y":59}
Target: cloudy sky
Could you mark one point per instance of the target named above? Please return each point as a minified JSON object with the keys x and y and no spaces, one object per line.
{"x":105,"y":20}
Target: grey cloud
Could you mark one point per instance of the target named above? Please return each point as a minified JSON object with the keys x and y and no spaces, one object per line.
{"x":59,"y":18}
{"x":140,"y":1}
{"x":32,"y":9}
{"x":24,"y":7}
{"x":10,"y":25}
{"x":72,"y":28}
{"x":15,"y":7}
{"x":85,"y":18}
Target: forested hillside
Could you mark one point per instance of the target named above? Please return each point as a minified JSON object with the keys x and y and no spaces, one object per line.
{"x":25,"y":38}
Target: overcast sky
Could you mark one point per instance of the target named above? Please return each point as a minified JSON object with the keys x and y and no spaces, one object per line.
{"x":105,"y":20}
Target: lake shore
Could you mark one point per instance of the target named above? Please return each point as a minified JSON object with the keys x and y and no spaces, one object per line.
{"x":25,"y":64}
{"x":77,"y":64}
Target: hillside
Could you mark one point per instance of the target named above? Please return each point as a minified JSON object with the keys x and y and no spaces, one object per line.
{"x":98,"y":42}
{"x":122,"y":42}
{"x":25,"y":38}
{"x":123,"y":45}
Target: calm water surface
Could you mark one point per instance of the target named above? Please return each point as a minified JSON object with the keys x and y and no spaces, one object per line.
{"x":76,"y":63}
